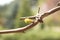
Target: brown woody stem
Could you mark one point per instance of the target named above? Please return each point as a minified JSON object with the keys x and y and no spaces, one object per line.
{"x":32,"y":24}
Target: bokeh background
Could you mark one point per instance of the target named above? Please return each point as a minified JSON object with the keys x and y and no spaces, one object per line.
{"x":10,"y":13}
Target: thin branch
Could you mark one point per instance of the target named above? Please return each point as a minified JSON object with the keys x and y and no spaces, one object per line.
{"x":30,"y":17}
{"x":50,"y":12}
{"x":19,"y":29}
{"x":38,"y":10}
{"x":32,"y":24}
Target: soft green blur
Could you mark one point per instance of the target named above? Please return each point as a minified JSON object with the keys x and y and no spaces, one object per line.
{"x":10,"y":18}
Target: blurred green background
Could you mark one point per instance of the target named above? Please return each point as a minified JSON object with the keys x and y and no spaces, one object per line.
{"x":10,"y":18}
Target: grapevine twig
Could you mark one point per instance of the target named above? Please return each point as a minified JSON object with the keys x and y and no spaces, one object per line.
{"x":37,"y":20}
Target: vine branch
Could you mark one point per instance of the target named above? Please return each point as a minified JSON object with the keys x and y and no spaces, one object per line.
{"x":37,"y":20}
